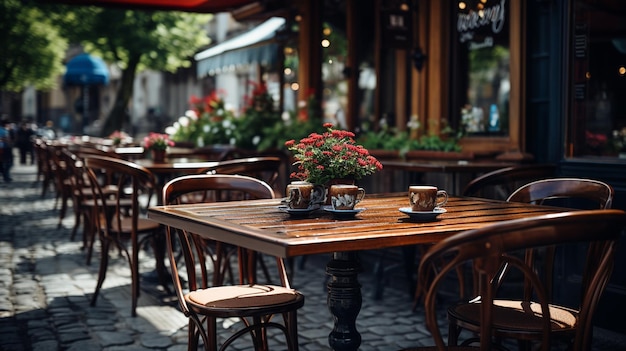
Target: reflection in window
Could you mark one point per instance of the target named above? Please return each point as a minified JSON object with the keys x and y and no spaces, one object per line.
{"x":481,"y":83}
{"x":334,"y":55}
{"x":598,"y":54}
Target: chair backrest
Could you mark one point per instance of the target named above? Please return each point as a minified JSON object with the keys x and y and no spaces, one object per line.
{"x":130,"y":181}
{"x":224,"y":187}
{"x":265,"y":168}
{"x":75,"y":173}
{"x":499,"y":184}
{"x":178,"y":191}
{"x":572,"y":192}
{"x":575,"y":193}
{"x":491,"y":247}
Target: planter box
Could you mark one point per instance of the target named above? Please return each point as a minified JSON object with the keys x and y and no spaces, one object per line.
{"x":438,"y":155}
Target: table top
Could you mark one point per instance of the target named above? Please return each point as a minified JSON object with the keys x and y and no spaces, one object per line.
{"x":177,"y":165}
{"x":260,"y":224}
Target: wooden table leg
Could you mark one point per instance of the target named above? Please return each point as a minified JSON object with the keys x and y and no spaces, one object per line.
{"x":344,"y":300}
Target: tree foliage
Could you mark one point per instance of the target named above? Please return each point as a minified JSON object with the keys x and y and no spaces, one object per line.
{"x":31,"y":49}
{"x":133,"y":40}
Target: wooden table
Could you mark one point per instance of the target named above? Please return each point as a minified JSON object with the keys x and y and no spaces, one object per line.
{"x":176,"y":165}
{"x":261,"y":226}
{"x":454,"y":168}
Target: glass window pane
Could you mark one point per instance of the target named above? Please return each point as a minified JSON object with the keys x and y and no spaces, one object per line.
{"x":481,"y":67}
{"x":598,"y":54}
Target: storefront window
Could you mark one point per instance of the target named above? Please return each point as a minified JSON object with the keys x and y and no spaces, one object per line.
{"x":480,"y":73}
{"x":598,"y":56}
{"x":334,"y":55}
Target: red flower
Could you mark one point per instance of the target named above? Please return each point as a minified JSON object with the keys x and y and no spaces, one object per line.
{"x":331,"y":155}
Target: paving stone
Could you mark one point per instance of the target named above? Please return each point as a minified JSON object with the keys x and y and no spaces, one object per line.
{"x":114,"y":338}
{"x":46,"y":345}
{"x":155,"y":340}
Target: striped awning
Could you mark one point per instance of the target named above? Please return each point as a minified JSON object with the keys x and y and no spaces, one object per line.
{"x":254,"y":46}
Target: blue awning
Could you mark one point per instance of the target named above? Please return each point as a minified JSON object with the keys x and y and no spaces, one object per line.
{"x":85,"y":69}
{"x":254,"y":46}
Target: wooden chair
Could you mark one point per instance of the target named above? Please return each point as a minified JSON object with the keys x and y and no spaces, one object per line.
{"x":80,"y":191}
{"x":569,"y":192}
{"x":120,"y":217}
{"x":265,"y":168}
{"x":576,"y":192}
{"x":499,"y":184}
{"x":61,"y":179}
{"x":491,"y":247}
{"x":203,"y":302}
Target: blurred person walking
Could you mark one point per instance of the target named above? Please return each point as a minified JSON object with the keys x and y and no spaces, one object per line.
{"x":24,"y":142}
{"x":7,"y":138}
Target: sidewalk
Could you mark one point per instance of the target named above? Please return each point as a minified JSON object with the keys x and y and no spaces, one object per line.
{"x":45,"y":290}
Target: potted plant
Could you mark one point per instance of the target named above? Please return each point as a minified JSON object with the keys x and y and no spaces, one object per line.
{"x":157,"y":144}
{"x":119,"y":137}
{"x":331,"y":156}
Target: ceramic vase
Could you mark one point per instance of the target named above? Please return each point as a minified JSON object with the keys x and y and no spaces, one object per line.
{"x":158,"y":156}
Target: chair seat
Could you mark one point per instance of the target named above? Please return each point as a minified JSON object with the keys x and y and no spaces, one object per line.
{"x":143,"y":225}
{"x":516,"y":316}
{"x":244,"y":300}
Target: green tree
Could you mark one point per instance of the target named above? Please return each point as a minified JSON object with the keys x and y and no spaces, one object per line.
{"x":31,"y":49}
{"x":133,"y":40}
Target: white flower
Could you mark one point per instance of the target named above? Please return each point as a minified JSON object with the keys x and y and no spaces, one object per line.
{"x":413,"y":124}
{"x":285,"y":116}
{"x":171,"y":130}
{"x":184,"y":121}
{"x":256,"y":140}
{"x":206,"y":128}
{"x":191,"y":114}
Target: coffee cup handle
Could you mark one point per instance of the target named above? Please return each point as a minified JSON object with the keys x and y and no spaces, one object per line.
{"x":441,"y":194}
{"x":359,"y":196}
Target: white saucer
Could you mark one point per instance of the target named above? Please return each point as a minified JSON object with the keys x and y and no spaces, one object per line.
{"x":423,"y":215}
{"x":343,"y":213}
{"x":298,"y":211}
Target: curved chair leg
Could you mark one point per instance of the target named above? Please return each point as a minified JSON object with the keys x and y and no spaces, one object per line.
{"x":104,"y":262}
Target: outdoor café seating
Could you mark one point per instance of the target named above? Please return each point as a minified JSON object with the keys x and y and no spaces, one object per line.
{"x":203,"y":298}
{"x":492,"y":319}
{"x":122,"y":226}
{"x":566,"y":192}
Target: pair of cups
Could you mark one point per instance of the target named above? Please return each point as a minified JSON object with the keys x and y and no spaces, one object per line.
{"x":425,"y":198}
{"x":305,"y":195}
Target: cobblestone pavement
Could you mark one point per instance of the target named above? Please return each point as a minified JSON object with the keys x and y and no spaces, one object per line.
{"x":45,"y":290}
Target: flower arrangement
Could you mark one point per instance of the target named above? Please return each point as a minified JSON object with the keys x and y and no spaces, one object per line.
{"x":156,"y":141}
{"x":208,"y":122}
{"x":595,"y":143}
{"x":117,"y":137}
{"x":254,"y":129}
{"x":260,"y":126}
{"x":333,"y":154}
